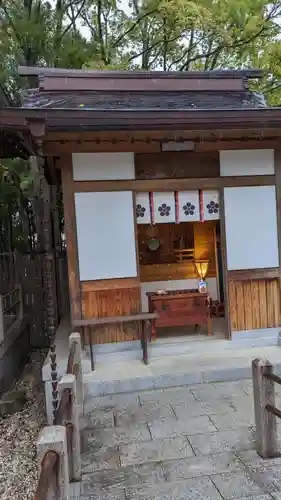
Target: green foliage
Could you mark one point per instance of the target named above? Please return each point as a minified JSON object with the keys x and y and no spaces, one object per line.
{"x":142,"y":34}
{"x":112,"y":34}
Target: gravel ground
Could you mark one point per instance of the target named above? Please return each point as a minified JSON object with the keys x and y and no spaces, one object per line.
{"x":18,"y":435}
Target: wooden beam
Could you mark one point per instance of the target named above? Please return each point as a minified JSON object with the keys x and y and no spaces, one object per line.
{"x":71,"y":238}
{"x":56,"y":148}
{"x":110,"y":284}
{"x":253,"y":274}
{"x":224,"y":263}
{"x":277,"y":166}
{"x":172,"y":184}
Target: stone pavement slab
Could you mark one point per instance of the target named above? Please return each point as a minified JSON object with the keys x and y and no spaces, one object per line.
{"x":96,"y":455}
{"x":209,"y":392}
{"x":268,"y":477}
{"x":119,"y":435}
{"x":246,"y":385}
{"x":111,"y":401}
{"x":236,"y":484}
{"x":165,"y":396}
{"x":191,"y":489}
{"x":252,"y":459}
{"x":171,"y":427}
{"x":103,"y":417}
{"x":232,"y":421}
{"x":218,"y":442}
{"x":150,"y":413}
{"x":146,"y":474}
{"x":155,"y":451}
{"x":186,"y":468}
{"x":181,"y":443}
{"x":198,"y":408}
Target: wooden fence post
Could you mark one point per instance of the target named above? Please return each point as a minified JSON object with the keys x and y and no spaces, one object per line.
{"x":2,"y":326}
{"x":76,"y":339}
{"x":264,"y":394}
{"x":68,"y":381}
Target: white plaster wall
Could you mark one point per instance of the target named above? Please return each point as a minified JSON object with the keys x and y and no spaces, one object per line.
{"x":175,"y":285}
{"x":103,"y":166}
{"x":251,"y":227}
{"x":247,"y":162}
{"x":105,"y":235}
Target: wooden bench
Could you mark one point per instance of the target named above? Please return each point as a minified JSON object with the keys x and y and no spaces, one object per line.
{"x":146,"y":320}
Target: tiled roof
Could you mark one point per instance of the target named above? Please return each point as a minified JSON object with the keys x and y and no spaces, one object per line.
{"x":138,"y":101}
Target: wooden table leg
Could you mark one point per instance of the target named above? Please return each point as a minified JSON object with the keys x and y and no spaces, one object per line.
{"x":209,"y":326}
{"x":153,"y":329}
{"x":91,"y":348}
{"x":144,"y":343}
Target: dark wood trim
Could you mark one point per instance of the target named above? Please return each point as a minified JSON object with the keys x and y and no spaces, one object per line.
{"x":56,"y":148}
{"x":253,"y":274}
{"x":110,"y":284}
{"x":277,"y":166}
{"x":71,"y":237}
{"x":160,"y":119}
{"x":224,"y":263}
{"x":173,"y":184}
{"x":136,"y":234}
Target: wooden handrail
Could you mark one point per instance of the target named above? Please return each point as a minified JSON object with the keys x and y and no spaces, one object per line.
{"x":48,"y":471}
{"x":71,"y":357}
{"x":61,"y":413}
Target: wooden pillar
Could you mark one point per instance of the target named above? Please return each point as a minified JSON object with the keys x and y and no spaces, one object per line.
{"x":224,"y":263}
{"x":264,"y":394}
{"x":277,"y":166}
{"x":71,"y":237}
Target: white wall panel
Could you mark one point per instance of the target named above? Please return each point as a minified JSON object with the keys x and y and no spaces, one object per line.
{"x":153,"y":286}
{"x":106,"y":235}
{"x":103,"y":166}
{"x":251,"y":227}
{"x":247,"y":162}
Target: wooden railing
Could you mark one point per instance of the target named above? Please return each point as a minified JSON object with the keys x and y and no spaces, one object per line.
{"x":48,"y":475}
{"x":264,"y":381}
{"x":59,"y":445}
{"x":11,"y":311}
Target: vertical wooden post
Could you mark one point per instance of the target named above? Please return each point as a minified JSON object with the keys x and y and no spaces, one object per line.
{"x":277,"y":168}
{"x":71,"y":237}
{"x":224,"y":264}
{"x":264,"y":393}
{"x":2,"y":327}
{"x":20,"y":302}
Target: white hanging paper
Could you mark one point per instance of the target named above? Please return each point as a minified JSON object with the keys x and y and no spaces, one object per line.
{"x":188,"y":206}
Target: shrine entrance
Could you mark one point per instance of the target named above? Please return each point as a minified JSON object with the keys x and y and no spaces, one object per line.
{"x":179,"y":246}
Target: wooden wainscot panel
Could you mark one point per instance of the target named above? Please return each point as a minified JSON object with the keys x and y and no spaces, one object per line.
{"x":254,"y":303}
{"x":177,"y":164}
{"x":114,"y":297}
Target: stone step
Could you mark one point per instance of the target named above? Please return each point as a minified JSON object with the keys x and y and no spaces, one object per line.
{"x":170,"y":371}
{"x":192,"y":344}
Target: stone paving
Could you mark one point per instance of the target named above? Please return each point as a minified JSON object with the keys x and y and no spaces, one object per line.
{"x":181,"y":443}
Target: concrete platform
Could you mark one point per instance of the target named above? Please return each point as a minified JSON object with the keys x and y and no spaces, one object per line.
{"x":169,"y":371}
{"x":174,"y":360}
